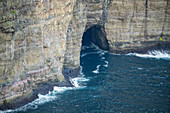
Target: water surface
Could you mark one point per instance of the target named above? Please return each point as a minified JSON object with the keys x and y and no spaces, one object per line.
{"x":111,"y":83}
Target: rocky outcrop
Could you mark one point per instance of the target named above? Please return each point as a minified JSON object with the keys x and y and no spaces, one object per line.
{"x":40,"y":40}
{"x":32,"y":45}
{"x":74,"y":36}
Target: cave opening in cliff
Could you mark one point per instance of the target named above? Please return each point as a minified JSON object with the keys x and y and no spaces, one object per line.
{"x":96,"y":35}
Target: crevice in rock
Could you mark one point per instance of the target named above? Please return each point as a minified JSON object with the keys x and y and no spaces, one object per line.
{"x":146,"y":19}
{"x":165,"y":18}
{"x":97,"y":35}
{"x":106,"y":7}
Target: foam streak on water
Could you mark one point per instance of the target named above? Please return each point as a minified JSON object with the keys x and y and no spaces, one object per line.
{"x":106,"y":65}
{"x":97,"y":69}
{"x":53,"y":95}
{"x":34,"y":105}
{"x":100,"y":51}
{"x":153,"y":54}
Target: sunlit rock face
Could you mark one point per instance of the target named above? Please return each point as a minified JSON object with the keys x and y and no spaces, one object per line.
{"x":134,"y":25}
{"x":32,"y":44}
{"x":128,"y":25}
{"x":40,"y":40}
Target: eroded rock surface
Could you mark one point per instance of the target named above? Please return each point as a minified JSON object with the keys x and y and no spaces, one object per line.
{"x":32,"y":45}
{"x":40,"y":40}
{"x":133,"y":25}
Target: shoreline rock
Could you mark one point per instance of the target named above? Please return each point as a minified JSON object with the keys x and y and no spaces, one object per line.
{"x":39,"y":38}
{"x":43,"y":89}
{"x":163,"y":45}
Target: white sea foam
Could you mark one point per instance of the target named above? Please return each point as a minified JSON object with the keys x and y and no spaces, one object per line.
{"x":53,"y":95}
{"x":90,"y":53}
{"x":103,"y":58}
{"x":139,"y":68}
{"x":100,"y":51}
{"x":81,"y":72}
{"x":57,"y":89}
{"x":153,"y":54}
{"x":106,"y":65}
{"x":87,"y":47}
{"x":34,"y":105}
{"x":94,"y":47}
{"x":97,"y":69}
{"x":77,"y":82}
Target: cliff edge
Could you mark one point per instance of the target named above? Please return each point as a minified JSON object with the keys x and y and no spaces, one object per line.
{"x":40,"y":40}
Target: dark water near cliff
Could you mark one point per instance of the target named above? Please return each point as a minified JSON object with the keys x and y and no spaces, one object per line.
{"x":129,"y":83}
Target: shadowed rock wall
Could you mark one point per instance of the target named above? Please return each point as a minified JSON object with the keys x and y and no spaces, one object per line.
{"x":97,"y":36}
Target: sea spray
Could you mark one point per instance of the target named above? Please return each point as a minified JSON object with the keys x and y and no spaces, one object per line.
{"x":34,"y":105}
{"x":106,"y":65}
{"x":97,"y":69}
{"x":94,"y":47}
{"x":153,"y":54}
{"x":77,"y":82}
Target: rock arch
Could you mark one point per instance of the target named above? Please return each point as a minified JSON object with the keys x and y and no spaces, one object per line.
{"x":88,"y":17}
{"x":124,"y":22}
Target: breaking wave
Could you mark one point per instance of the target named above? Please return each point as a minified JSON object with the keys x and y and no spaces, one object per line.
{"x":77,"y":82}
{"x":153,"y":54}
{"x":94,"y":47}
{"x":106,"y":65}
{"x":97,"y":69}
{"x":34,"y":105}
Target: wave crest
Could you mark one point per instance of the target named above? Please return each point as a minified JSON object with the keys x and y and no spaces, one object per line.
{"x":77,"y":82}
{"x":154,"y":54}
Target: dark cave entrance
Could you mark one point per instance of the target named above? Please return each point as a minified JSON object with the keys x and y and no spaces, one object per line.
{"x":97,"y":35}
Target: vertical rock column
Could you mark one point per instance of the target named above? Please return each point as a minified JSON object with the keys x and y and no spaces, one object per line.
{"x":74,"y":38}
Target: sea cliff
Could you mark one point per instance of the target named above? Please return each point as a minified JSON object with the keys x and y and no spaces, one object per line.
{"x":40,"y":40}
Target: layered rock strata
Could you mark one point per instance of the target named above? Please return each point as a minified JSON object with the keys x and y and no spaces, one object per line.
{"x":40,"y":40}
{"x":133,"y":25}
{"x":32,"y":46}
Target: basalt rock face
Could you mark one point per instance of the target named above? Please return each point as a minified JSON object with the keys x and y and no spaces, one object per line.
{"x":133,"y":25}
{"x":32,"y":46}
{"x":40,"y":40}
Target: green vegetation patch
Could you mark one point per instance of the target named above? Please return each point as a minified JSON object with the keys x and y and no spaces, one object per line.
{"x":13,"y":12}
